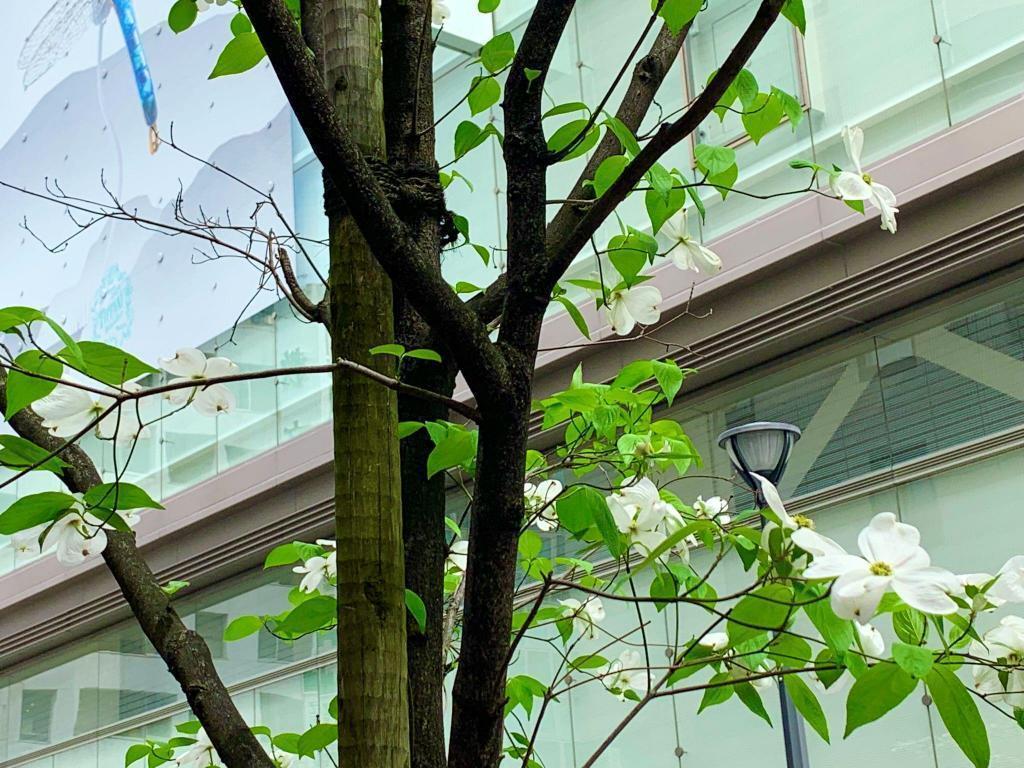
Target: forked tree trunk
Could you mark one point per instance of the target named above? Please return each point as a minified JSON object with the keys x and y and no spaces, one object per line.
{"x":372,"y":675}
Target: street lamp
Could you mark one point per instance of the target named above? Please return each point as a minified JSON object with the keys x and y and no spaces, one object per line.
{"x":763,"y":448}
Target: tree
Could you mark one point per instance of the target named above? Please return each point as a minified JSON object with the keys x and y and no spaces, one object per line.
{"x":399,"y":334}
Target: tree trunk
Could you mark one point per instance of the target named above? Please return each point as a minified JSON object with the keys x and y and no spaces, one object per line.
{"x":479,"y":693}
{"x":372,"y":676}
{"x":408,"y":49}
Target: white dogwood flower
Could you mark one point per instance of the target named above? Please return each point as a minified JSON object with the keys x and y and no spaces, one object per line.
{"x":714,"y":508}
{"x":458,"y":555}
{"x":539,"y":500}
{"x":68,"y":410}
{"x":199,"y":755}
{"x":686,"y":252}
{"x":439,"y":13}
{"x":190,"y":364}
{"x":715,"y":641}
{"x":871,"y":643}
{"x":858,"y":185}
{"x":26,"y":543}
{"x":640,"y":513}
{"x":1008,"y":587}
{"x":316,"y":570}
{"x":891,"y":559}
{"x":628,"y":673}
{"x":625,"y":308}
{"x":76,"y":538}
{"x":1003,"y":678}
{"x":585,"y":616}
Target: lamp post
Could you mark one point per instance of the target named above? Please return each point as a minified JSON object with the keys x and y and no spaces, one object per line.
{"x":763,"y":448}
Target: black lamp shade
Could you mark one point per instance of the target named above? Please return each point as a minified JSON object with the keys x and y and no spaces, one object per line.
{"x":762,"y":447}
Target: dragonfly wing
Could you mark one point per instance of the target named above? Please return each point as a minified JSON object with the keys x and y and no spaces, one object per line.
{"x":52,"y":37}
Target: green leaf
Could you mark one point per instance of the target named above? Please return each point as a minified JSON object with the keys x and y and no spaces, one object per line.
{"x":138,"y":751}
{"x":285,"y":554}
{"x":319,"y":737}
{"x":287,"y":742}
{"x":35,"y":509}
{"x":746,"y":88}
{"x":424,"y":354}
{"x":661,"y":208}
{"x":719,"y":694}
{"x":913,"y":659}
{"x":669,"y":377}
{"x":242,"y":53}
{"x":570,"y":134}
{"x":790,"y":107}
{"x":457,"y":447}
{"x":678,"y":13}
{"x":959,"y":713}
{"x":240,"y":24}
{"x":576,"y":508}
{"x":807,"y":705}
{"x":762,"y":116}
{"x":487,"y":6}
{"x":630,"y":146}
{"x":190,"y":727}
{"x":752,"y":701}
{"x":23,"y":389}
{"x":241,"y":627}
{"x":793,"y":10}
{"x":530,"y":544}
{"x":397,"y":350}
{"x":498,"y":52}
{"x":634,"y":374}
{"x":531,"y":74}
{"x":119,"y":496}
{"x":607,"y":172}
{"x":414,"y":604}
{"x":765,"y":609}
{"x":484,"y":93}
{"x":879,"y":690}
{"x":174,"y":586}
{"x":18,"y":453}
{"x":316,"y":613}
{"x":575,"y":314}
{"x":837,"y":633}
{"x":406,"y":428}
{"x":181,"y":16}
{"x":466,"y":287}
{"x":565,"y":109}
{"x":108,"y":364}
{"x":714,"y":160}
{"x":697,"y":203}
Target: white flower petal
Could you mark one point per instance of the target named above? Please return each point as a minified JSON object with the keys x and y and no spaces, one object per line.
{"x":214,"y":399}
{"x":887,"y":540}
{"x":831,"y":566}
{"x":62,"y":403}
{"x":619,"y":317}
{"x":644,"y":303}
{"x":927,"y":589}
{"x":188,"y":362}
{"x":851,"y":186}
{"x":853,"y":140}
{"x":857,"y":596}
{"x":219,"y":366}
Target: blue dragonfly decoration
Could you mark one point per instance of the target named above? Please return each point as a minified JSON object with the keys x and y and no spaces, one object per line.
{"x":65,"y":22}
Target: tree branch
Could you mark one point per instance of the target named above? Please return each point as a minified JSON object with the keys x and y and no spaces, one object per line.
{"x":407,"y":263}
{"x":187,"y":657}
{"x":563,"y":249}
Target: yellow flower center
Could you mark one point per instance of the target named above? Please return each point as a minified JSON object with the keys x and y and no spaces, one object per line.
{"x":866,"y":177}
{"x":881,"y":569}
{"x":803,"y":522}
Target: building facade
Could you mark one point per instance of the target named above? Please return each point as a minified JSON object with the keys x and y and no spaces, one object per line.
{"x":900,"y":357}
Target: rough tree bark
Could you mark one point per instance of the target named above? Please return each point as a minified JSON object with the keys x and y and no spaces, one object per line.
{"x":372,"y":678}
{"x":408,"y":49}
{"x":186,"y":654}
